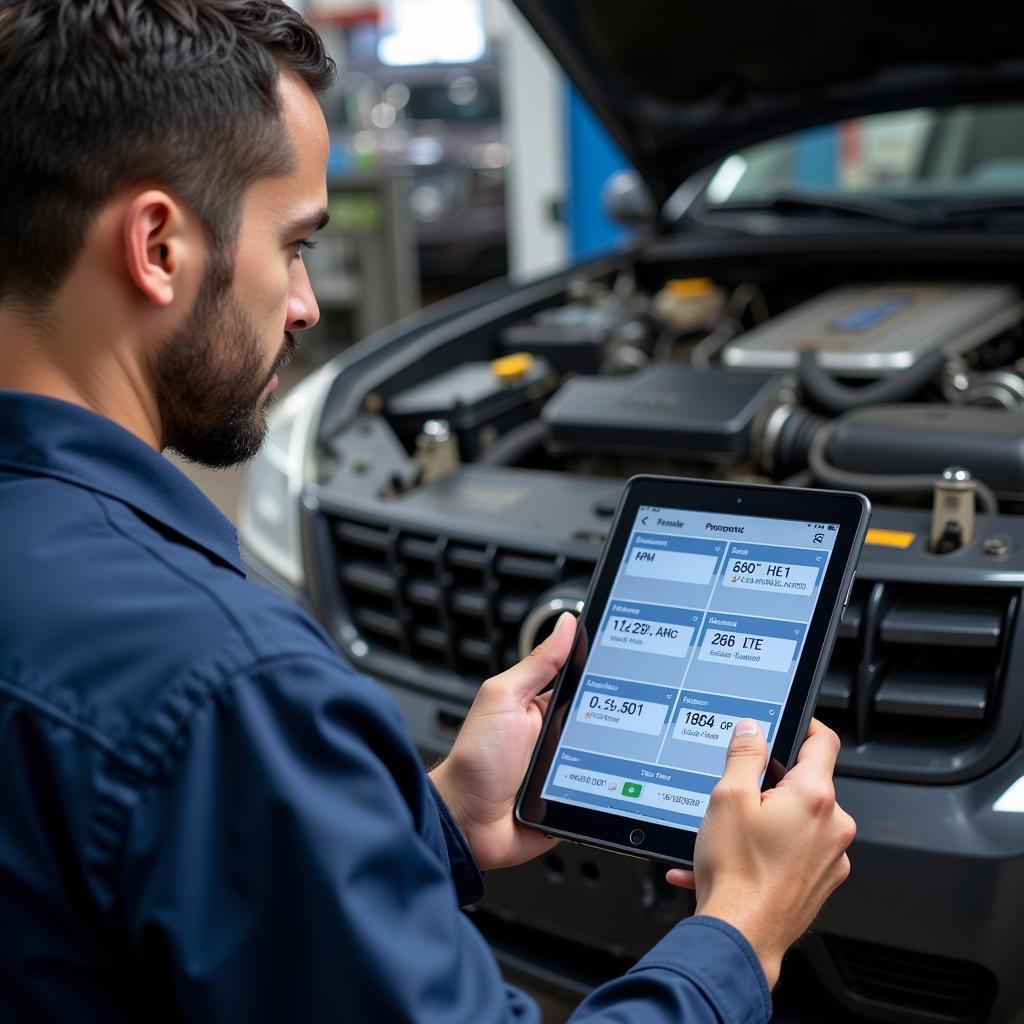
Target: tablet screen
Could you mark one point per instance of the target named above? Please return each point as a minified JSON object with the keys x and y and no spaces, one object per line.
{"x":704,"y":626}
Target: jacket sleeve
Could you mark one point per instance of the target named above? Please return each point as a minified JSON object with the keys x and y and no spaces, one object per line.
{"x":702,"y":972}
{"x":291,"y":863}
{"x":462,"y":865}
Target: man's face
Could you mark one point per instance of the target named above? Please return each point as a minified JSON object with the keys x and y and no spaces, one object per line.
{"x":216,"y":374}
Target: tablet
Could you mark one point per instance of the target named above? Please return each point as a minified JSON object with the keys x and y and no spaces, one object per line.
{"x":712,"y":602}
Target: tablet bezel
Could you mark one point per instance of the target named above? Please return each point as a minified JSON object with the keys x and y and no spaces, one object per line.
{"x":639,"y":837}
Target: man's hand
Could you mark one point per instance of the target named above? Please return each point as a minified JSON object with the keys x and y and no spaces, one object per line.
{"x":481,"y":776}
{"x":766,"y":862}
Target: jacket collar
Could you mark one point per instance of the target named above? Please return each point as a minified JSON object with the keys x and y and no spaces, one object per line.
{"x":47,"y":437}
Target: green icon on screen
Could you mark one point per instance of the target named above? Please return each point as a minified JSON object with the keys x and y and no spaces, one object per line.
{"x":633,"y":789}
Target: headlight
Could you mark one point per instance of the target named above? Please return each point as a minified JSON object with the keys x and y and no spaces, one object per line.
{"x":269,"y":520}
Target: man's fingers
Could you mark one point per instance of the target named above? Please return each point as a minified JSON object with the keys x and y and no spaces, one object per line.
{"x":817,"y":755}
{"x":527,"y":678}
{"x":745,"y":759}
{"x":816,"y":727}
{"x":681,"y":877}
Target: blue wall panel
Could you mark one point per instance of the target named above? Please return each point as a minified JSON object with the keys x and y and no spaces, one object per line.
{"x":816,"y":163}
{"x":592,"y":159}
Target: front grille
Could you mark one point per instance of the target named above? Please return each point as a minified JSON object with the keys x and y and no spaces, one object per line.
{"x":915,"y":678}
{"x":441,"y":601}
{"x":951,"y":990}
{"x":917,"y":666}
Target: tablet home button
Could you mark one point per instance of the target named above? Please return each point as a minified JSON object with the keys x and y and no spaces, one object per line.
{"x":636,"y":837}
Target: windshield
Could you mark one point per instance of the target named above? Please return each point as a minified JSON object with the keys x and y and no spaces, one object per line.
{"x":911,"y":155}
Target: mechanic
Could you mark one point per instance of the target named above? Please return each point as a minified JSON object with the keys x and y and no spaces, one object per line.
{"x":206,"y":815}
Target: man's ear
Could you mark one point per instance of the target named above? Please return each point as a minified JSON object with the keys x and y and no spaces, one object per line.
{"x":158,"y":244}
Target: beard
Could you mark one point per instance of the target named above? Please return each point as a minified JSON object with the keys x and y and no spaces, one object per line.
{"x":210,"y":378}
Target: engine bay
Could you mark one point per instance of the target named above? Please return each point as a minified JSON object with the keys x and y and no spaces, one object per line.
{"x":907,"y":389}
{"x":467,"y":474}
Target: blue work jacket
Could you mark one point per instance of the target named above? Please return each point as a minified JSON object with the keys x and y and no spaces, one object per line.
{"x":205,"y":813}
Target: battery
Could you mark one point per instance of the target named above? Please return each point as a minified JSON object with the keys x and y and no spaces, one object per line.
{"x":574,"y":338}
{"x":470,"y":397}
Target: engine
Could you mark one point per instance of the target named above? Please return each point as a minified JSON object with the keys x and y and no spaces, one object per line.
{"x":876,"y":387}
{"x":468,"y":479}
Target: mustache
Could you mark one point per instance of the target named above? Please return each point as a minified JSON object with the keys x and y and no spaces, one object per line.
{"x":287,"y":354}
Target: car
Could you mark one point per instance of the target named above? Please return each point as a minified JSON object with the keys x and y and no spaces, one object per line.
{"x":441,"y":125}
{"x":828,"y":293}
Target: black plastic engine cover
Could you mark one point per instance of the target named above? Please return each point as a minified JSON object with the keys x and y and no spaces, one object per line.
{"x":663,"y":410}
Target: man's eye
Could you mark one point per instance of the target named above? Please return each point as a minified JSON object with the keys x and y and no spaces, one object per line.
{"x":305,"y":243}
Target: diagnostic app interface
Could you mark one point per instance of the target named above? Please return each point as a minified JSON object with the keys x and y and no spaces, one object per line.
{"x":704,"y":626}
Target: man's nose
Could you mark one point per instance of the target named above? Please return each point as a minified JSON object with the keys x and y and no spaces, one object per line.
{"x":303,"y":311}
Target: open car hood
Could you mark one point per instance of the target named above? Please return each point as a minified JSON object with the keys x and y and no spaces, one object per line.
{"x":680,"y":84}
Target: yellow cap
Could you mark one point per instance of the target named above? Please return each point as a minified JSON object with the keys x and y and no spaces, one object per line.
{"x":512,"y":367}
{"x":690,"y":287}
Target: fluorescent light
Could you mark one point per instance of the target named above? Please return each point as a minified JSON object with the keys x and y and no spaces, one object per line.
{"x":441,"y":32}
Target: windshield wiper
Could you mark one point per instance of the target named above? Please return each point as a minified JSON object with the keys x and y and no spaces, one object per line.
{"x":787,"y":201}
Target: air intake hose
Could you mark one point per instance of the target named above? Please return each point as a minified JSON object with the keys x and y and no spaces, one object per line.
{"x":833,"y":398}
{"x":880,"y":483}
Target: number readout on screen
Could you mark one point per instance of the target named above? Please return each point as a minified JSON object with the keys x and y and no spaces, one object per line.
{"x":616,"y":704}
{"x":650,"y":629}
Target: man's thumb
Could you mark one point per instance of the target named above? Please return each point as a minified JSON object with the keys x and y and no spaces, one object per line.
{"x":747,"y":755}
{"x":537,"y":669}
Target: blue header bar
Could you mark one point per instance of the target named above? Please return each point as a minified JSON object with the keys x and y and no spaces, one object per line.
{"x":756,"y":627}
{"x":677,"y":522}
{"x":628,"y":689}
{"x":692,"y":546}
{"x":772,"y":553}
{"x":654,"y":613}
{"x":672,"y":778}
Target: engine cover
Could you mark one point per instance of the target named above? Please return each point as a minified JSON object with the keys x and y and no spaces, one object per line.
{"x":663,"y":410}
{"x":875,"y":330}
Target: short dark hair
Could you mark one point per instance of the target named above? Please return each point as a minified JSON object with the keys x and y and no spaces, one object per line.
{"x":99,"y":95}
